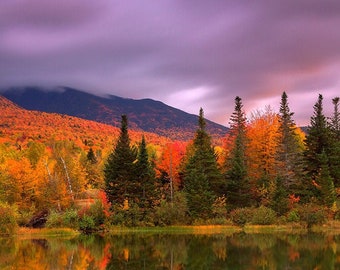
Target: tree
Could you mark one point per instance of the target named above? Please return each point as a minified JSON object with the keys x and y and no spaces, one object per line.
{"x":334,"y":151}
{"x":146,"y":177}
{"x":94,"y":178}
{"x":325,"y":182}
{"x":263,"y":136}
{"x":237,"y":182}
{"x":202,"y":179}
{"x":290,"y":149}
{"x":317,"y":142}
{"x":91,"y":157}
{"x":119,"y":170}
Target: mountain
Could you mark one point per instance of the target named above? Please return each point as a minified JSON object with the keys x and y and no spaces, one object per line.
{"x":145,"y":114}
{"x":19,"y":126}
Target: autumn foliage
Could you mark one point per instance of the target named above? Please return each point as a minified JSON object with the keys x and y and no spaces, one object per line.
{"x":56,"y":162}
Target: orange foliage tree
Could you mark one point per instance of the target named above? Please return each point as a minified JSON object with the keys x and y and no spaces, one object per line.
{"x":263,"y":136}
{"x":169,"y":163}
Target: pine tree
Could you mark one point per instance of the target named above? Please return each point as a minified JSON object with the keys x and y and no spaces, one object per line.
{"x":334,"y":151}
{"x":289,"y":148}
{"x":146,"y":177}
{"x":91,"y":157}
{"x":317,"y":141}
{"x":119,"y":171}
{"x":237,"y":183}
{"x":202,"y":176}
{"x":325,"y":181}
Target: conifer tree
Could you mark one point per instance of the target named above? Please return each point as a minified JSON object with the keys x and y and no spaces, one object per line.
{"x":202,"y":176}
{"x":91,"y":157}
{"x":146,"y":176}
{"x":289,"y":148}
{"x":119,"y":170}
{"x":317,"y":142}
{"x":237,"y":183}
{"x":325,"y":181}
{"x":334,"y":151}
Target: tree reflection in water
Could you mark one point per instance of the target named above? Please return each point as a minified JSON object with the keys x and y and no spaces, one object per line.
{"x":174,"y":251}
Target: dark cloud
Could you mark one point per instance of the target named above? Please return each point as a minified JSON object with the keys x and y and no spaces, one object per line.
{"x":189,"y":54}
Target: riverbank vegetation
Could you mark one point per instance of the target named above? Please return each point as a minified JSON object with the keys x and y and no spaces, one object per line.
{"x":265,"y":171}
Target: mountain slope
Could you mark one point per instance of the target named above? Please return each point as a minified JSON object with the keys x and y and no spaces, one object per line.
{"x":18,"y":125}
{"x":145,"y":114}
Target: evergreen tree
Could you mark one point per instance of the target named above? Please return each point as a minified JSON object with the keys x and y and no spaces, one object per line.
{"x":202,"y":176}
{"x":237,"y":182}
{"x":280,"y":201}
{"x":93,"y":176}
{"x":325,"y":181}
{"x":119,"y":170}
{"x":91,"y":157}
{"x":334,"y":151}
{"x":147,"y":178}
{"x":317,"y":142}
{"x":289,"y":148}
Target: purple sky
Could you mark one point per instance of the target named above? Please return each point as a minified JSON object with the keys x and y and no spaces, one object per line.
{"x":188,"y":54}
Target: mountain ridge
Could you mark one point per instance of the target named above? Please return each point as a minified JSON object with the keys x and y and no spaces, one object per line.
{"x":143,"y":114}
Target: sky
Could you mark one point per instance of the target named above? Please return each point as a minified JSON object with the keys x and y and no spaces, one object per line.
{"x":185,"y":53}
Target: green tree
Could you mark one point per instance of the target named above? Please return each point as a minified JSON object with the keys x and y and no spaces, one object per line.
{"x":317,"y":141}
{"x":290,"y":152}
{"x":91,"y":157}
{"x":325,"y":181}
{"x":202,"y":176}
{"x":147,"y":178}
{"x":280,"y":201}
{"x":94,"y":178}
{"x":119,"y":170}
{"x":237,"y":182}
{"x":334,"y":151}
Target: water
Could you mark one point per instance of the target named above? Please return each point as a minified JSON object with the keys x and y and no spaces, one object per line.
{"x":174,"y":251}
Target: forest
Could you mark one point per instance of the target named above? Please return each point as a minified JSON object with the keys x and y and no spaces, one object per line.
{"x":66,"y":172}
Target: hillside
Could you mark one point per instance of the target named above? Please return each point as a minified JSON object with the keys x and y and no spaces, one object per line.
{"x":145,"y":114}
{"x":18,"y":125}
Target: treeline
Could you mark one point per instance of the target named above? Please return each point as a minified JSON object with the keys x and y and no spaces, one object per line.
{"x":266,"y":168}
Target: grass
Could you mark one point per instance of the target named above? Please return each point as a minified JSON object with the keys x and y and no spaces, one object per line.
{"x":200,"y":229}
{"x":44,"y":232}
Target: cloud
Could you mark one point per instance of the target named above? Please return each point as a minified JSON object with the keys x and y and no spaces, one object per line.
{"x":253,"y":49}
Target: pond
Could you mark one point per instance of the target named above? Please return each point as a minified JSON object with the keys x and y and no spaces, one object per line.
{"x":174,"y":251}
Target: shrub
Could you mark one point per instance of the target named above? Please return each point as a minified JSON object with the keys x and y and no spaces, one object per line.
{"x":67,"y":219}
{"x":168,"y":213}
{"x":263,"y":216}
{"x":8,"y":219}
{"x":312,"y":214}
{"x":87,"y":224}
{"x":241,"y":216}
{"x":26,"y":215}
{"x":130,"y":217}
{"x":70,"y":219}
{"x":293,"y":216}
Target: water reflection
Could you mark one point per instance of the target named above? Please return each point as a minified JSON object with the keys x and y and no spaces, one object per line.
{"x":175,"y":251}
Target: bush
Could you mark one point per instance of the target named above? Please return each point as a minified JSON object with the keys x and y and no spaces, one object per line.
{"x":263,"y":216}
{"x":87,"y":224}
{"x":312,"y":214}
{"x":8,"y":219}
{"x":241,"y":216}
{"x":130,"y":217}
{"x":168,"y":213}
{"x":293,"y":216}
{"x":67,"y":219}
